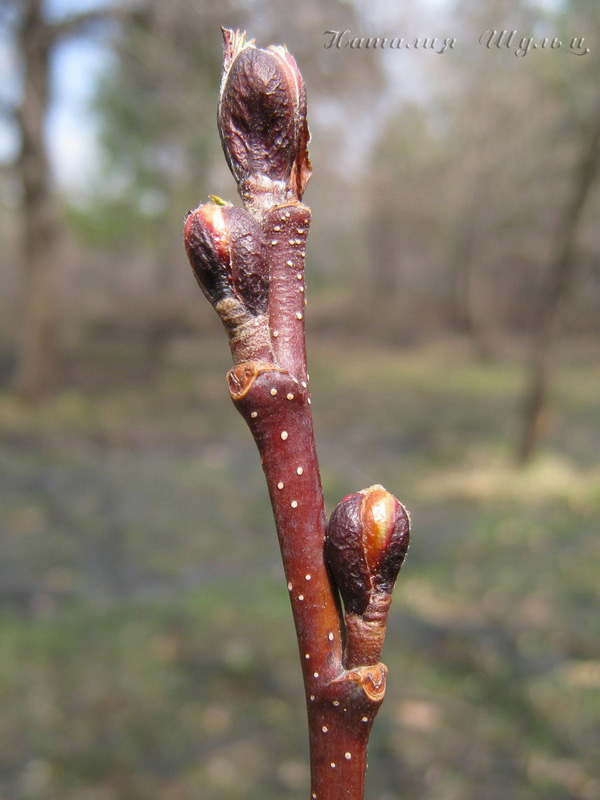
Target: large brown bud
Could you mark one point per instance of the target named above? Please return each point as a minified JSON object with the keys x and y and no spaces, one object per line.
{"x":262,"y":122}
{"x":366,"y":542}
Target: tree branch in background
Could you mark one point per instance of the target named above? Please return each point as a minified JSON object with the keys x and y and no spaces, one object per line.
{"x":558,"y":285}
{"x":249,"y":263}
{"x":37,"y":37}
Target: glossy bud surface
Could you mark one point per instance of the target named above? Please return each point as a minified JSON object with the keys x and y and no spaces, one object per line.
{"x":366,"y":542}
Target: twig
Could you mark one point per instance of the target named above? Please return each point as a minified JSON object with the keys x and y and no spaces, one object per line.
{"x":249,"y":263}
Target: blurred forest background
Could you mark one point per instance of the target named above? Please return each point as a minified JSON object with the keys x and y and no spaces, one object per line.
{"x":146,"y":644}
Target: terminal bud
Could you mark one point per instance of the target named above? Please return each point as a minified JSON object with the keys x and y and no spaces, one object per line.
{"x":262,"y":122}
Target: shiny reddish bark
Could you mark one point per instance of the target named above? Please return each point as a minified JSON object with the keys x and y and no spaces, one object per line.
{"x":250,"y":265}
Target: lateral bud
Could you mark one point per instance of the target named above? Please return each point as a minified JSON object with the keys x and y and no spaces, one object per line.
{"x":224,"y":244}
{"x":225,"y":249}
{"x":262,"y":122}
{"x":366,"y":542}
{"x":365,"y":545}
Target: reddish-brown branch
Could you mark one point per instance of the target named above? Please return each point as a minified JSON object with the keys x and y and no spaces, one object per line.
{"x":276,"y":407}
{"x":250,"y":265}
{"x":286,"y":232}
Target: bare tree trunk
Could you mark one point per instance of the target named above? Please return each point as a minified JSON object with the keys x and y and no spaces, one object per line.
{"x":468,"y":316}
{"x":380,"y":312}
{"x":36,"y":38}
{"x":558,"y":285}
{"x":38,"y":212}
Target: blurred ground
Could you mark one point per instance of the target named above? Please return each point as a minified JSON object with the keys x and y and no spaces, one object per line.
{"x":146,"y":644}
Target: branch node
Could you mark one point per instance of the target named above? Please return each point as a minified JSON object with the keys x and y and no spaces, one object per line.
{"x":371,"y":679}
{"x":242,"y":377}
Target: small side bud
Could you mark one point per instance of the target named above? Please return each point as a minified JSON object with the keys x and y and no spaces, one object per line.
{"x":262,"y":122}
{"x":366,"y":542}
{"x":225,"y":248}
{"x":207,"y":245}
